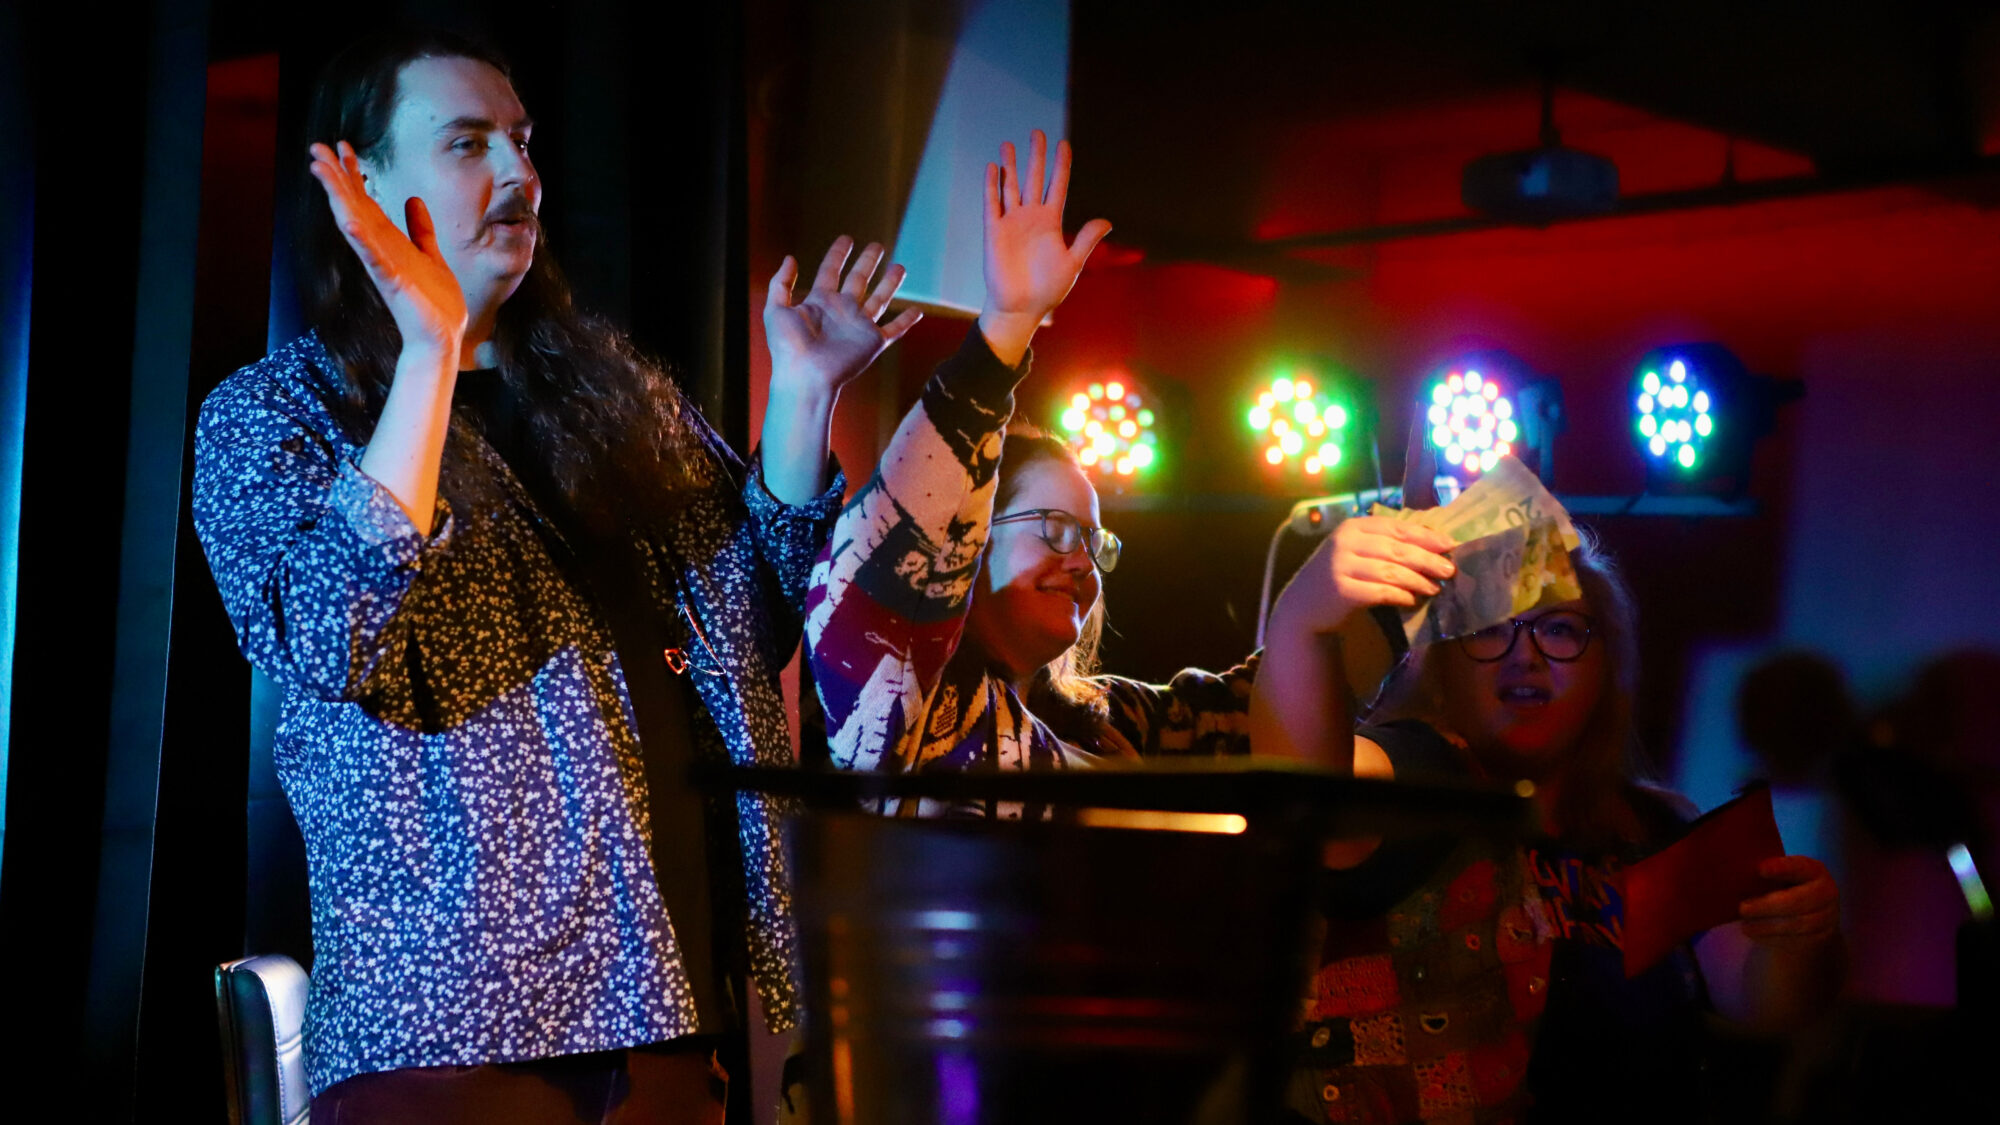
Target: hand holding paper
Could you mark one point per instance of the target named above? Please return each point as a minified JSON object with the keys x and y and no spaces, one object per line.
{"x":1805,"y":910}
{"x":1712,"y":875}
{"x":1513,"y":543}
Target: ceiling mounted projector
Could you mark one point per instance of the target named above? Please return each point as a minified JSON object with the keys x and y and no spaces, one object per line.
{"x":1540,"y":184}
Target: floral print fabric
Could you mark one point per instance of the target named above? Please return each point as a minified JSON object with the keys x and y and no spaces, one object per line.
{"x":457,"y":742}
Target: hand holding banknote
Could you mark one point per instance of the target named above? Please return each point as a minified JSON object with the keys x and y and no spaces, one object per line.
{"x":1510,"y":542}
{"x":1378,"y":561}
{"x":1368,"y":561}
{"x":1514,"y":541}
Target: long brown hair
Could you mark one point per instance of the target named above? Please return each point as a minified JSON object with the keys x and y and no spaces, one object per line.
{"x":606,"y":423}
{"x":1596,"y":804}
{"x":1063,"y":693}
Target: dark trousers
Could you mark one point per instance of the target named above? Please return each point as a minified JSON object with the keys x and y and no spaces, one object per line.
{"x":676,"y":1083}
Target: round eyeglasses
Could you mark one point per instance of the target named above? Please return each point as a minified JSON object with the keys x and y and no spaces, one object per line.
{"x":1065,"y":533}
{"x":1561,"y":636}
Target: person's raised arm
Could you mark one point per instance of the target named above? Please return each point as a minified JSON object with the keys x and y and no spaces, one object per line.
{"x":424,"y":299}
{"x":819,"y":343}
{"x":879,"y":636}
{"x":1300,"y":706}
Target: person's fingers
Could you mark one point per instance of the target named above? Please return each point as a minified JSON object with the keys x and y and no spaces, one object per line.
{"x":423,"y":231}
{"x":885,"y":290}
{"x":328,"y":177}
{"x":1383,"y":572}
{"x":828,"y":277}
{"x":864,"y":268}
{"x":1093,"y":232}
{"x":1820,"y":894}
{"x":357,"y":235}
{"x":332,"y":175}
{"x":1038,"y":163}
{"x":1416,"y":535}
{"x":993,"y":208}
{"x":1059,"y":182}
{"x":1010,"y":178}
{"x":1427,"y":563}
{"x":351,"y":185}
{"x":778,"y":294}
{"x":1429,"y":538}
{"x":905,"y":320}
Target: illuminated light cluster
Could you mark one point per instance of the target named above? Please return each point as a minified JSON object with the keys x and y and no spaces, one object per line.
{"x":1111,"y":428}
{"x":1296,"y":422}
{"x":1674,"y":416}
{"x":1472,"y":421}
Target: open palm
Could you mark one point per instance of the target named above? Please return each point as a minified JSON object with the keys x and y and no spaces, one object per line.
{"x":409,"y":271}
{"x":1029,"y":266}
{"x":826,"y":338}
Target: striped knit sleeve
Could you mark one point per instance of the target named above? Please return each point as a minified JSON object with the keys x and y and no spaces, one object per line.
{"x":1196,"y":714}
{"x":890,"y":591}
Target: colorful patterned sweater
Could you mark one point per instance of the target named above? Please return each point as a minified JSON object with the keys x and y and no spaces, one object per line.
{"x":888,"y":601}
{"x":1473,"y":982}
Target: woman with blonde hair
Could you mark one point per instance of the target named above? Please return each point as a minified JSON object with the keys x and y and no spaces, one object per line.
{"x":1464,"y":980}
{"x":952,"y":622}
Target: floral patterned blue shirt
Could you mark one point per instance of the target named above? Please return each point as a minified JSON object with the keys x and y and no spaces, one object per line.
{"x":458,"y":744}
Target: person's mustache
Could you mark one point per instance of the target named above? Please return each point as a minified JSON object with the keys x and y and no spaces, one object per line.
{"x":514,"y":209}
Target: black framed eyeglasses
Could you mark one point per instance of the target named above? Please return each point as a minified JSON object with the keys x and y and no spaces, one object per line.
{"x":1065,"y":533}
{"x":1561,"y":636}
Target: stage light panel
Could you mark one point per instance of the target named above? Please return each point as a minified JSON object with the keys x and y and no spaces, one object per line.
{"x":1673,"y":408}
{"x":1696,"y":413}
{"x":1110,"y":422}
{"x":1471,"y":418}
{"x":1483,"y":406}
{"x":1300,"y":422}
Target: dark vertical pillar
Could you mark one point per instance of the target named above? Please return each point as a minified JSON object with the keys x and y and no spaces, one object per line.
{"x":177,"y":54}
{"x":198,"y":878}
{"x":17,"y":241}
{"x":78,"y":890}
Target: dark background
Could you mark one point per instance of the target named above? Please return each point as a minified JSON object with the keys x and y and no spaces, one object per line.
{"x":1812,"y":185}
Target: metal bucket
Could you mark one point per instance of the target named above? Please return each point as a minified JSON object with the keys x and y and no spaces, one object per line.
{"x":962,"y":972}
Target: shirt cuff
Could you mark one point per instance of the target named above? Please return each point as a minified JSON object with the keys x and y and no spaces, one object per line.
{"x":378,"y":520}
{"x":976,"y":374}
{"x":763,"y":505}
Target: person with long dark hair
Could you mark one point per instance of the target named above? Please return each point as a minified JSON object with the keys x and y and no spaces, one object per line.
{"x":1464,"y":980}
{"x":513,"y":586}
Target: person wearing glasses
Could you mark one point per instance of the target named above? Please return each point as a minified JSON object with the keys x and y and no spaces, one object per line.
{"x":1466,"y":980}
{"x":953,"y":619}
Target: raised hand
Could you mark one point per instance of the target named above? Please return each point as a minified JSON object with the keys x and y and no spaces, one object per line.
{"x":820,"y":342}
{"x":1029,"y":266}
{"x":1804,"y":912}
{"x":1375,"y":561}
{"x":409,"y":271}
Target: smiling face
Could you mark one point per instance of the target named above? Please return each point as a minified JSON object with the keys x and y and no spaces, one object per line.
{"x":459,"y":141}
{"x":1523,"y":714}
{"x":1029,"y":603}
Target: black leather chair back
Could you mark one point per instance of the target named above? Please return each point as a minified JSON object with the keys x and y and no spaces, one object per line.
{"x":261,"y":1002}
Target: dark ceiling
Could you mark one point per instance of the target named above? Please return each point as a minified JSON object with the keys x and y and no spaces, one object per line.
{"x":1186,"y":113}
